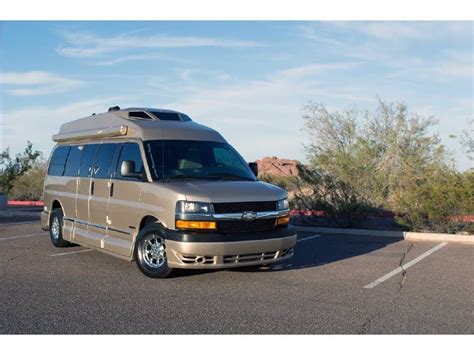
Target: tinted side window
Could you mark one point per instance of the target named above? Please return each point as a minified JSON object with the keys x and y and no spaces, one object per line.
{"x":103,"y":161}
{"x":73,"y":162}
{"x":130,"y":151}
{"x":87,"y":160}
{"x":58,"y":160}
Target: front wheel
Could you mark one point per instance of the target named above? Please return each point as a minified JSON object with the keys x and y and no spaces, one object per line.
{"x":150,"y":252}
{"x":56,"y":228}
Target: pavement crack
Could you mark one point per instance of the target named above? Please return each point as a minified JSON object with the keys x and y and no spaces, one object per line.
{"x":367,"y":322}
{"x":404,"y":271}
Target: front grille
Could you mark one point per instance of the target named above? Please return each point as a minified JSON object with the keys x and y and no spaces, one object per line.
{"x":236,"y":207}
{"x":258,"y":225}
{"x":208,"y":260}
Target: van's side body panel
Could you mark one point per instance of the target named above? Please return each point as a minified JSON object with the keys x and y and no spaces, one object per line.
{"x":123,"y":217}
{"x":81,"y":225}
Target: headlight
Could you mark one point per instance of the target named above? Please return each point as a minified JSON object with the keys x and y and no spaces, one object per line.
{"x":194,"y":207}
{"x":283,"y":204}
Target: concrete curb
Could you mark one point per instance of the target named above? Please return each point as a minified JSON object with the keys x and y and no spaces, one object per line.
{"x":431,"y":237}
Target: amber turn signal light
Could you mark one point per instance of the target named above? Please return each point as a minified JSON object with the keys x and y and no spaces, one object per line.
{"x":283,"y":220}
{"x":195,"y":225}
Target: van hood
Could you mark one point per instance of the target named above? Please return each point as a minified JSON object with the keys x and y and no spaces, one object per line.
{"x":227,"y":191}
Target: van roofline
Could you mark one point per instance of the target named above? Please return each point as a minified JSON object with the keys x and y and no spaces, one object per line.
{"x":117,"y":123}
{"x":148,"y":109}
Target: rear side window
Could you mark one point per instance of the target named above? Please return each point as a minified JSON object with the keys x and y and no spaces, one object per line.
{"x":103,"y":160}
{"x":87,"y":161}
{"x":130,"y":151}
{"x":73,"y":162}
{"x":58,"y":160}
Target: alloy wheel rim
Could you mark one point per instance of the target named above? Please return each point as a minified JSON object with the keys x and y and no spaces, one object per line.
{"x":153,"y":251}
{"x":55,"y":228}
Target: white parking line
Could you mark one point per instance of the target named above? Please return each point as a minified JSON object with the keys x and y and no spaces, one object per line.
{"x":404,"y":266}
{"x":307,"y":238}
{"x":24,"y":236}
{"x":72,"y":252}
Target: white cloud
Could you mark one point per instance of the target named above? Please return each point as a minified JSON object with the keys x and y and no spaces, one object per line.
{"x":138,"y":57}
{"x":306,"y":71}
{"x":310,"y":32}
{"x":457,"y":65}
{"x":390,"y":45}
{"x":406,"y":30}
{"x":33,"y":83}
{"x":263,"y":117}
{"x":87,"y":45}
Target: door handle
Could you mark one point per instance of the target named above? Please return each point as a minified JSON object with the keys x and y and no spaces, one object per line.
{"x":92,"y":187}
{"x":111,"y":190}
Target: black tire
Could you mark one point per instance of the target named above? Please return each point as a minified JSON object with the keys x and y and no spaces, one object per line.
{"x":56,"y":235}
{"x":153,"y":263}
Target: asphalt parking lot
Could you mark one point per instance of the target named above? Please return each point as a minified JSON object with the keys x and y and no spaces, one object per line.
{"x":334,"y":284}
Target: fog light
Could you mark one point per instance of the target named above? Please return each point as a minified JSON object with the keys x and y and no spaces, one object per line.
{"x":195,"y":225}
{"x":283,"y":220}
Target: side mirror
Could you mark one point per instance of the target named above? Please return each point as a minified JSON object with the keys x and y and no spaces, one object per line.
{"x":254,"y":167}
{"x":127,"y":169}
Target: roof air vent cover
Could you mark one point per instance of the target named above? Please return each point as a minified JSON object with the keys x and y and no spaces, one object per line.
{"x":139,"y":114}
{"x":166,"y":116}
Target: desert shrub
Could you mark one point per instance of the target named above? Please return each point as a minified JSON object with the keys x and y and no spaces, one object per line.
{"x":437,"y":200}
{"x":384,"y":160}
{"x":318,"y":190}
{"x":29,"y":186}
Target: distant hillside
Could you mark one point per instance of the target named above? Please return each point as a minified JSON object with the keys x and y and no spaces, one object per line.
{"x":277,"y":167}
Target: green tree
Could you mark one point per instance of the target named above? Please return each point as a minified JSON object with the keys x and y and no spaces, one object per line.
{"x":12,"y":168}
{"x":467,"y":140}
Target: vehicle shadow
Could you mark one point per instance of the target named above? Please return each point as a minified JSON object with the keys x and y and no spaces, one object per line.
{"x":13,"y":215}
{"x":313,"y":252}
{"x":326,"y":249}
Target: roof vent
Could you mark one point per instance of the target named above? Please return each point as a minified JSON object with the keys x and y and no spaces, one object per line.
{"x":114,"y":108}
{"x":139,"y":114}
{"x":166,"y":116}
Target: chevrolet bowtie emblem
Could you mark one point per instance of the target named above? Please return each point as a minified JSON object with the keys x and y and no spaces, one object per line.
{"x":249,"y":216}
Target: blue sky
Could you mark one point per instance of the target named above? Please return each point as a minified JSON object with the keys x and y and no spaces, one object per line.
{"x":249,"y":80}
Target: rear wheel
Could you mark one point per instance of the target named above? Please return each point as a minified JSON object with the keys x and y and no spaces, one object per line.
{"x":150,"y":252}
{"x":56,"y":228}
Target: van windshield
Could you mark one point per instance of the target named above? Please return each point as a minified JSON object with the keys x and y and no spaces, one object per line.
{"x":199,"y":160}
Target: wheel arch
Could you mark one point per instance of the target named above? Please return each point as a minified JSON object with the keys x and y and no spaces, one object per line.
{"x":145,"y":221}
{"x":57,"y":204}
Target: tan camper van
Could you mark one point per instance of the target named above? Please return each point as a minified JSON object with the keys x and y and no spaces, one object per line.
{"x":153,"y":186}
